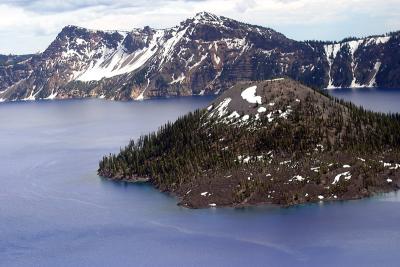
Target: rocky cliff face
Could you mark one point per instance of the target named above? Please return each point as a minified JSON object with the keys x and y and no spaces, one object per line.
{"x":202,"y":55}
{"x":12,"y":69}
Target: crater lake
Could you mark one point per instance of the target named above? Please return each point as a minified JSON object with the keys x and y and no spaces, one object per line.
{"x":56,"y":211}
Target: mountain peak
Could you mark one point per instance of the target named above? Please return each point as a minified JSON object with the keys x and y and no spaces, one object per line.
{"x":206,"y":17}
{"x":204,"y":54}
{"x":72,"y":28}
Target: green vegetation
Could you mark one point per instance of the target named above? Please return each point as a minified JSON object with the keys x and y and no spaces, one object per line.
{"x":180,"y":152}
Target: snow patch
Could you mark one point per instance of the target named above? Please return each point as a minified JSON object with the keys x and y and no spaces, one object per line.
{"x":52,"y":96}
{"x":275,"y":80}
{"x":170,"y":44}
{"x":395,"y":167}
{"x":198,"y":63}
{"x":223,"y":106}
{"x":180,"y":79}
{"x":80,"y":41}
{"x":376,"y":69}
{"x":270,"y":118}
{"x":234,"y":115}
{"x":315,"y":169}
{"x":337,"y":177}
{"x":244,"y":159}
{"x":285,"y":114}
{"x":217,"y":59}
{"x":250,"y":95}
{"x":32,"y":96}
{"x":261,"y":110}
{"x":331,"y":51}
{"x":141,"y":96}
{"x":245,"y":117}
{"x":297,"y":178}
{"x":115,"y":62}
{"x":382,"y":40}
{"x":247,"y":159}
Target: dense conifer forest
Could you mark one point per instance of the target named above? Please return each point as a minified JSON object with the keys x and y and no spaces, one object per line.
{"x":200,"y":144}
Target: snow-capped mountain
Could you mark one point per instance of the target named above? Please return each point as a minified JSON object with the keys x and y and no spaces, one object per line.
{"x":203,"y":55}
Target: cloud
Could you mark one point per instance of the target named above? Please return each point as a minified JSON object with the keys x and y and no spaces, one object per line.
{"x":35,"y":23}
{"x":56,"y":6}
{"x":243,"y":6}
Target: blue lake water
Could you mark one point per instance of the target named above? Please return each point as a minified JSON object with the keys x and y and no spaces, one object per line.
{"x":55,"y":210}
{"x":377,"y":99}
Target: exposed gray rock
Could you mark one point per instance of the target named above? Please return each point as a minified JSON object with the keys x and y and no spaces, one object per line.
{"x":203,"y":55}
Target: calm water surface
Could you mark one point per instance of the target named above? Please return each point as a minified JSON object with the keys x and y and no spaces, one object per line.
{"x":378,"y":99}
{"x":55,"y":210}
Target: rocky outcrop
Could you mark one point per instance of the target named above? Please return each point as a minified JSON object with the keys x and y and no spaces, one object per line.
{"x":202,"y":55}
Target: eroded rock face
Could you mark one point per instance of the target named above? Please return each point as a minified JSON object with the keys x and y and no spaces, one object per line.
{"x":203,"y":55}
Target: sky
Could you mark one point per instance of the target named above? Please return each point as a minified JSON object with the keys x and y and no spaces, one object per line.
{"x":29,"y":26}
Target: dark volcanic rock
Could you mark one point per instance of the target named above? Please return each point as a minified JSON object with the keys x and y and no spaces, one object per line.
{"x":202,"y":55}
{"x":276,"y":142}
